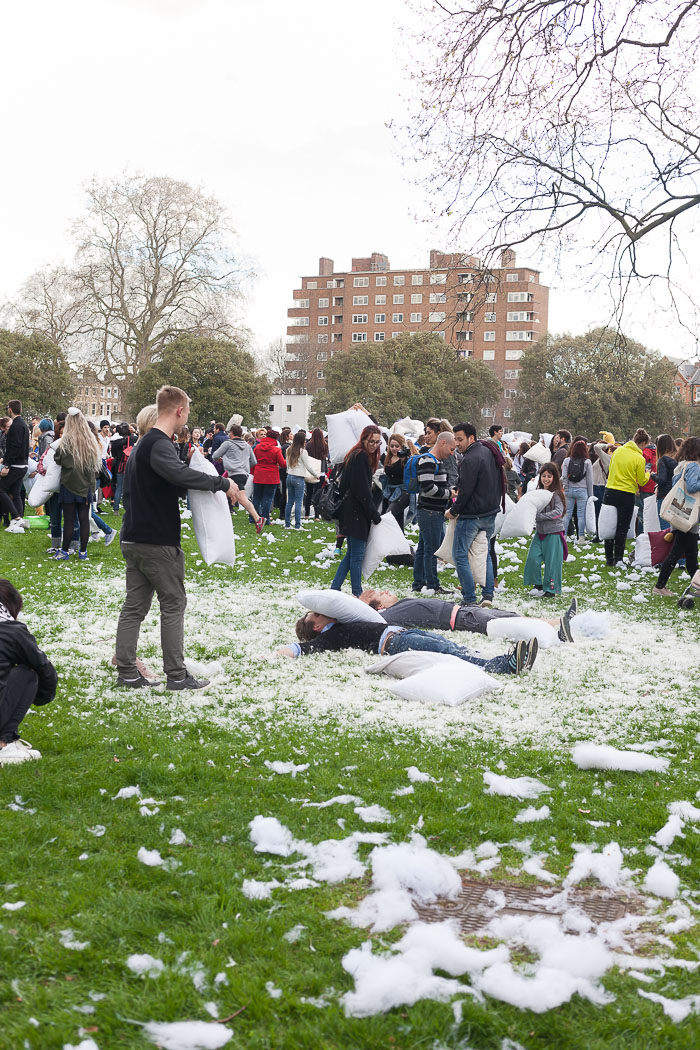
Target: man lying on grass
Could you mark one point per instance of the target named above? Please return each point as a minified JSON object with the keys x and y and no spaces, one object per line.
{"x":438,"y":615}
{"x":322,"y":634}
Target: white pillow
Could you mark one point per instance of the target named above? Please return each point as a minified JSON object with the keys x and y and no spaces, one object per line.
{"x":344,"y":429}
{"x":650,"y":516}
{"x":546,"y":439}
{"x":515,"y":438}
{"x":450,"y":681}
{"x":538,"y":454}
{"x":45,"y":485}
{"x":339,"y":606}
{"x":501,"y":515}
{"x":211,"y":518}
{"x":642,"y":550}
{"x":520,"y":521}
{"x":315,"y":465}
{"x":478,"y":552}
{"x":520,"y":628}
{"x":590,"y":515}
{"x":384,"y":539}
{"x":607,"y":523}
{"x":249,"y":485}
{"x":403,"y":665}
{"x":407,"y":426}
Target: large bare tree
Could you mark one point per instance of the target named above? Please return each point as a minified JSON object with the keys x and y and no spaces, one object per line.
{"x":563,"y":125}
{"x":154,"y":260}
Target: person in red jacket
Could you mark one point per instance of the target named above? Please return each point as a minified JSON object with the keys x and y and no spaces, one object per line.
{"x":266,"y":473}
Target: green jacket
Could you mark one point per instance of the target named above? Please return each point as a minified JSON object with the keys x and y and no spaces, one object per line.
{"x":77,"y":481}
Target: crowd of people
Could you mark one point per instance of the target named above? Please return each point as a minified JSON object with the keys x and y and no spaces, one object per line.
{"x":447,"y":475}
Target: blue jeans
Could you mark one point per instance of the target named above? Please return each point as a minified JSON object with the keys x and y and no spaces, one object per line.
{"x":662,"y":521}
{"x":431,"y":526}
{"x":118,"y":491}
{"x":101,"y":524}
{"x":352,"y":563}
{"x":435,"y":643}
{"x":263,"y":495}
{"x":465,"y":533}
{"x":576,"y":496}
{"x":295,"y":497}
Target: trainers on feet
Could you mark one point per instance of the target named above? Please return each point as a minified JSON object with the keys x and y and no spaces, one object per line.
{"x":139,"y":682}
{"x":62,"y":555}
{"x":188,"y":682}
{"x":17,"y":751}
{"x":486,"y":603}
{"x":532,"y":648}
{"x":82,"y":556}
{"x":517,"y":657}
{"x":15,"y":528}
{"x":110,"y":537}
{"x":564,"y":632}
{"x":442,"y":590}
{"x":259,"y":525}
{"x":663,"y":592}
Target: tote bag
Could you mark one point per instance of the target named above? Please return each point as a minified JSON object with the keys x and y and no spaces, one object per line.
{"x":680,"y":508}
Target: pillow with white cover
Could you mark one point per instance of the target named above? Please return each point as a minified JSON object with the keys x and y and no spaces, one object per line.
{"x":501,"y":515}
{"x":607,"y":523}
{"x":520,"y":521}
{"x":211,"y":517}
{"x":477,"y":554}
{"x":339,"y":606}
{"x":384,"y":539}
{"x":45,"y":484}
{"x":650,"y":515}
{"x":538,"y":454}
{"x":590,"y":515}
{"x":403,"y":665}
{"x":344,"y":429}
{"x":450,"y":681}
{"x":520,"y":628}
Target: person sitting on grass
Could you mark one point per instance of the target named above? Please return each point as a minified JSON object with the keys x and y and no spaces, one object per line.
{"x":322,"y":634}
{"x":438,"y":615}
{"x":26,"y":677}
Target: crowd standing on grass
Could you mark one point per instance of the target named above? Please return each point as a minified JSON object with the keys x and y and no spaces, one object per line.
{"x":445,"y":476}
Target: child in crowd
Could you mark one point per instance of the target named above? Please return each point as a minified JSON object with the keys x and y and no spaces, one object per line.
{"x":548,"y":545}
{"x":26,"y":677}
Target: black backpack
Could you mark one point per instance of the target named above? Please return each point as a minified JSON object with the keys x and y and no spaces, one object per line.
{"x":577,"y":470}
{"x":330,"y":500}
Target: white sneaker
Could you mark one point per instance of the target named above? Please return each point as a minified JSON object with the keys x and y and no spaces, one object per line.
{"x":23,"y":524}
{"x":15,"y":528}
{"x":110,"y":537}
{"x":16,"y":752}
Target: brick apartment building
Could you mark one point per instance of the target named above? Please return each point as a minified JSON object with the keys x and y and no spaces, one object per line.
{"x":97,"y":397}
{"x":686,"y":387}
{"x":489,"y":315}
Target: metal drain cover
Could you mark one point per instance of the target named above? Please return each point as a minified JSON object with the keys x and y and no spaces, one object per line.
{"x":477,"y":903}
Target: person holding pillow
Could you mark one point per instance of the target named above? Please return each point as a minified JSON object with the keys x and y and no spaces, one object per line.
{"x":357,"y":510}
{"x":548,"y":545}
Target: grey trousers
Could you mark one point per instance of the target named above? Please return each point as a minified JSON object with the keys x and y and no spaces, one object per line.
{"x":152,"y":569}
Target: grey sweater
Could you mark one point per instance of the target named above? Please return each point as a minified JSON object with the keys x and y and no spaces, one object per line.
{"x":237,"y":455}
{"x":551,"y":520}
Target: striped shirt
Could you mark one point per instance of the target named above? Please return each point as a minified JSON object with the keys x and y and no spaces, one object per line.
{"x":434,"y":491}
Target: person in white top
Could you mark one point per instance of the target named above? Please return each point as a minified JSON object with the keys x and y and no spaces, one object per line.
{"x":299,"y":467}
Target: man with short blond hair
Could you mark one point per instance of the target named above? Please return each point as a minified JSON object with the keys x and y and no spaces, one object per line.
{"x":155,"y":478}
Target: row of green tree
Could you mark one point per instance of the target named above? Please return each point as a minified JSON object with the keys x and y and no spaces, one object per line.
{"x":587,"y":383}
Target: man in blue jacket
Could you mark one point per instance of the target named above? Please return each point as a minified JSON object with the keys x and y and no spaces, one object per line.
{"x":480,"y":494}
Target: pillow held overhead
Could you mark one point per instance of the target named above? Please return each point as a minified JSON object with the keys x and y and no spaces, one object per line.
{"x":339,"y":606}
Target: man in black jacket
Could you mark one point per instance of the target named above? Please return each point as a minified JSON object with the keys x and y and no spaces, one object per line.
{"x":155,"y":477}
{"x":480,"y":494}
{"x":14,"y":467}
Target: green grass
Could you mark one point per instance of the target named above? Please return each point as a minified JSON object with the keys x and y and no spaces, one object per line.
{"x":96,"y":740}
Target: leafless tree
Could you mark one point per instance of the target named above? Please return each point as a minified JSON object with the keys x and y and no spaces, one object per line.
{"x":273,"y":362}
{"x":51,"y":302}
{"x":564,"y":125}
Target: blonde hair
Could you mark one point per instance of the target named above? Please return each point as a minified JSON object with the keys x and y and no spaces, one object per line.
{"x":171,"y":397}
{"x":80,"y":441}
{"x":146,"y":419}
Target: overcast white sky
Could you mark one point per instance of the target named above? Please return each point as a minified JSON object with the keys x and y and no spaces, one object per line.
{"x":277,"y":108}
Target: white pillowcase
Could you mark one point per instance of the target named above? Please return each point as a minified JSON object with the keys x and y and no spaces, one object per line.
{"x":607,"y":523}
{"x":45,"y":485}
{"x":403,"y":665}
{"x":538,"y":454}
{"x":339,"y":606}
{"x":449,"y":681}
{"x":520,"y":521}
{"x":501,"y":515}
{"x":478,"y":552}
{"x":651,"y":515}
{"x":211,"y":518}
{"x":408,"y":426}
{"x":384,"y":539}
{"x":520,"y":628}
{"x":344,"y":429}
{"x":590,"y":515}
{"x":642,"y":550}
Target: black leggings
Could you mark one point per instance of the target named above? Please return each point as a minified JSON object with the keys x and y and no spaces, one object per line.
{"x":83,"y":512}
{"x":16,"y":697}
{"x":398,"y":508}
{"x":685,"y":545}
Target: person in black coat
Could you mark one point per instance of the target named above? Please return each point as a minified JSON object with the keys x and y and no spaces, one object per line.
{"x":358,"y":510}
{"x":14,"y":467}
{"x":26,"y":677}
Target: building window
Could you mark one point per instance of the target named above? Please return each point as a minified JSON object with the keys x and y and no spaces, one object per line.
{"x":511,"y":373}
{"x":519,"y":297}
{"x":380,"y":282}
{"x":518,"y":315}
{"x":510,"y":393}
{"x":380,"y":318}
{"x":359,"y":337}
{"x":487,"y":412}
{"x":677,"y":391}
{"x":397,"y":318}
{"x":360,"y":300}
{"x":322,"y":338}
{"x":300,"y":322}
{"x":513,"y":355}
{"x":312,"y":284}
{"x":94,"y":409}
{"x":102,"y":391}
{"x":320,"y":375}
{"x":330,"y":284}
{"x":697,"y":393}
{"x":532,"y":278}
{"x":359,"y":318}
{"x":379,"y":337}
{"x":323,"y":304}
{"x":506,"y":413}
{"x":399,"y":279}
{"x":490,"y":317}
{"x":322,"y":356}
{"x":465,"y":353}
{"x":337,"y":337}
{"x":398,"y":300}
{"x":465,"y":337}
{"x":464,"y":297}
{"x":514,"y":337}
{"x":379,"y":300}
{"x":464,"y":316}
{"x":416,"y":278}
{"x":490,"y":336}
{"x":489,"y":355}
{"x":416,"y":318}
{"x":512,"y":277}
{"x":322,"y":321}
{"x":337,"y":318}
{"x":360,"y":282}
{"x":490,"y":297}
{"x":337,"y":300}
{"x":417,"y":297}
{"x":438,"y":297}
{"x":289,"y":408}
{"x":440,"y":335}
{"x":394,"y":335}
{"x":438,"y":278}
{"x":436,"y":315}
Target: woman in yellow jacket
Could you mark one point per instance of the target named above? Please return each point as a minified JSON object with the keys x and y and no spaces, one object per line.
{"x":626,"y":476}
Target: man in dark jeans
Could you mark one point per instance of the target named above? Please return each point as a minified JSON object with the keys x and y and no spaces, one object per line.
{"x":433,"y":500}
{"x":155,"y":477}
{"x":14,"y":467}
